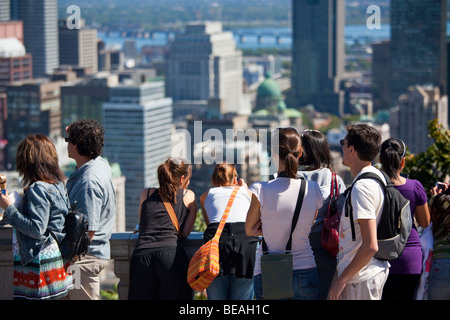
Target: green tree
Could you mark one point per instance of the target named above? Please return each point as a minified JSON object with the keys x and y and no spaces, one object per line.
{"x":433,"y":164}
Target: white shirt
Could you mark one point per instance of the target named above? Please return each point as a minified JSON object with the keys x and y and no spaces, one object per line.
{"x":367,"y":201}
{"x":217,"y":200}
{"x":278,"y":199}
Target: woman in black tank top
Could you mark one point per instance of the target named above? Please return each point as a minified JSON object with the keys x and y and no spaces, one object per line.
{"x":158,"y":267}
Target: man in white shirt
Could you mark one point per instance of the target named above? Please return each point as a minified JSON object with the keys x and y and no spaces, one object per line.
{"x":360,"y":276}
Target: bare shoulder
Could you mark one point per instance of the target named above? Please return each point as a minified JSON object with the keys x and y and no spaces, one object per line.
{"x":189,"y":196}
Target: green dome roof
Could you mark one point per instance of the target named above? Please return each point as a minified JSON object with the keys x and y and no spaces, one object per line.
{"x":269,"y":88}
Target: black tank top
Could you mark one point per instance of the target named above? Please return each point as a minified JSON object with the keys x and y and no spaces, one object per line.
{"x":156,"y":230}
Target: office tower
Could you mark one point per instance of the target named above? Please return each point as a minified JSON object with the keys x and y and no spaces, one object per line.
{"x":418,"y":45}
{"x":317,"y":53}
{"x":204,"y":63}
{"x":5,"y":10}
{"x":78,"y":47}
{"x":84,"y":98}
{"x":12,"y":29}
{"x":15,"y":63}
{"x":381,"y":75}
{"x":33,"y":107}
{"x":138,"y":126}
{"x":40,"y":31}
{"x":129,"y":49}
{"x":416,"y":107}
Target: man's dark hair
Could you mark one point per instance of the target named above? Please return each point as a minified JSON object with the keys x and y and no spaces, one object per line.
{"x":87,"y":135}
{"x":365,"y":139}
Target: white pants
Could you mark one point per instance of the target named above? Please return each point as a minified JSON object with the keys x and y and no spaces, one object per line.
{"x":371,"y":289}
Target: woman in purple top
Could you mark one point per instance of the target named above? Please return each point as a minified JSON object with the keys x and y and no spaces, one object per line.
{"x":404,"y":274}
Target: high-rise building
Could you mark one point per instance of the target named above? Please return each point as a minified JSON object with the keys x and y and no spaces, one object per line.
{"x":12,"y":29}
{"x":78,"y":47}
{"x":318,"y":53}
{"x":40,"y":32}
{"x":204,"y":63}
{"x":129,"y":49}
{"x":5,"y":10}
{"x":15,"y":63}
{"x":418,"y":45}
{"x":33,"y":107}
{"x":84,"y":98}
{"x":381,"y":75}
{"x":138,"y":126}
{"x":416,"y":107}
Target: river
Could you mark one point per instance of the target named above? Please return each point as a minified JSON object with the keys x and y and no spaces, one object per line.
{"x":247,"y":38}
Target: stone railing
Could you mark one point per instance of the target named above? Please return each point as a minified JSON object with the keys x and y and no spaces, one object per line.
{"x":122,"y":246}
{"x":6,"y":262}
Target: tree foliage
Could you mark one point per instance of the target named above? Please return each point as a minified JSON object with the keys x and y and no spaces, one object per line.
{"x":433,"y":164}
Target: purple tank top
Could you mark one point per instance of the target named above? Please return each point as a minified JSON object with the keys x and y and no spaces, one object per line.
{"x":410,"y":262}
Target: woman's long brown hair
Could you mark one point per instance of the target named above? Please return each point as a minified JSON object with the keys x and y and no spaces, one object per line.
{"x":290,"y":149}
{"x":223,"y":174}
{"x":37,"y":160}
{"x":169,"y":174}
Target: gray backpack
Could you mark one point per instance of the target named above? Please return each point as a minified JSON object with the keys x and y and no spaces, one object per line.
{"x":395,"y":223}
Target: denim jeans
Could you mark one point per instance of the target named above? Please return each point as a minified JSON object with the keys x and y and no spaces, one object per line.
{"x":306,"y":285}
{"x":439,"y":280}
{"x":230,"y":288}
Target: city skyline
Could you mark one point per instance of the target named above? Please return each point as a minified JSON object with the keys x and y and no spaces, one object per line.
{"x":200,"y":73}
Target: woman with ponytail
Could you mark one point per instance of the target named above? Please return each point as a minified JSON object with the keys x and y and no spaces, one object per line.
{"x":236,"y":249}
{"x":271,"y":211}
{"x":158,"y":267}
{"x":405,"y":272}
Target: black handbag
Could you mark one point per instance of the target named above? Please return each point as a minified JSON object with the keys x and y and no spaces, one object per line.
{"x":277,"y":269}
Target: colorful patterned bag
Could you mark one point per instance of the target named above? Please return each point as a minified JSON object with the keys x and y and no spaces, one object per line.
{"x":204,"y":265}
{"x":44,"y":277}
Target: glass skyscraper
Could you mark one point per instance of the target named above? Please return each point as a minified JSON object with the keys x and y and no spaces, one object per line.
{"x":318,"y":53}
{"x":418,"y":45}
{"x":40,"y":32}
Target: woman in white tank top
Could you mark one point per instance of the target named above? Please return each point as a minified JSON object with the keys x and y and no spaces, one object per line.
{"x":271,"y":211}
{"x":236,"y":249}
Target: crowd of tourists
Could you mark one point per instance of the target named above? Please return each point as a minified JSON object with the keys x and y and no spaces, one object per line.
{"x":285,"y":214}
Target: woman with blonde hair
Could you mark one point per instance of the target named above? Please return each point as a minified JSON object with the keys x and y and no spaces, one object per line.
{"x":236,"y":249}
{"x":39,"y":269}
{"x":158,"y":267}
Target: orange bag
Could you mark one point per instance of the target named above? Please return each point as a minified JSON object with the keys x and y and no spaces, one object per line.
{"x":204,"y":265}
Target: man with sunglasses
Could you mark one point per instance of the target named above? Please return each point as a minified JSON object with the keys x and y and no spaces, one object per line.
{"x":91,"y":191}
{"x":360,"y":276}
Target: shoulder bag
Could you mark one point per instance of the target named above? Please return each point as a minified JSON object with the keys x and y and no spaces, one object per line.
{"x":277,"y":269}
{"x":204,"y":265}
{"x":330,"y":230}
{"x":172,"y":215}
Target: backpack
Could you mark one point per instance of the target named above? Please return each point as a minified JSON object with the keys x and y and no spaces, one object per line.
{"x":76,"y":240}
{"x":395,"y":222}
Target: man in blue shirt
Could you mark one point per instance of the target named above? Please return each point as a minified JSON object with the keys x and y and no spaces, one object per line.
{"x":91,"y":191}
